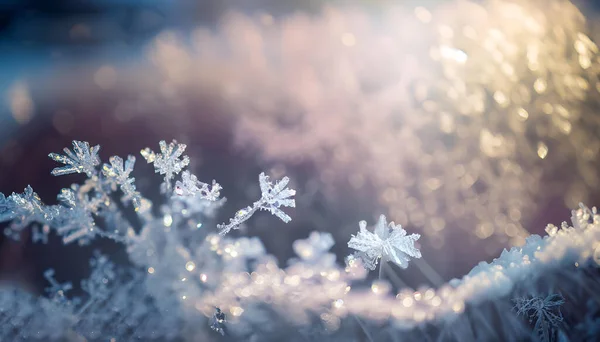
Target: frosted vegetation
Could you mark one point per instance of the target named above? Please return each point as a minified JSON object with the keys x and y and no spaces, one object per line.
{"x":179,"y":287}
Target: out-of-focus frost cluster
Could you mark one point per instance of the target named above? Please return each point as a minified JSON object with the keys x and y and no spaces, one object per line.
{"x":184,"y":284}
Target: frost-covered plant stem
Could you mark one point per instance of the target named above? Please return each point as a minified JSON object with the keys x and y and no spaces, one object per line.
{"x":273,"y":196}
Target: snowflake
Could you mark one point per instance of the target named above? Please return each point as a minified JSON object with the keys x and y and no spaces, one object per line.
{"x":190,"y":186}
{"x":118,"y":174}
{"x":81,"y":159}
{"x":167,"y":162}
{"x":544,"y":311}
{"x":396,"y":246}
{"x":272,"y":197}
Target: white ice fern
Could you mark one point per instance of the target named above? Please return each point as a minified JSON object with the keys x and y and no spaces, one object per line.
{"x":117,"y":172}
{"x":544,"y":311}
{"x":167,"y":162}
{"x":83,"y":158}
{"x":77,"y":220}
{"x":387,"y":242}
{"x":272,"y":198}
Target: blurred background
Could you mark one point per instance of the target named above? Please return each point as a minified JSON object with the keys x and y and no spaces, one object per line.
{"x":473,"y":123}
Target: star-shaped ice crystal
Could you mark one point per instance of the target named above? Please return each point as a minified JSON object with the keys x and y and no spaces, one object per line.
{"x":387,"y":242}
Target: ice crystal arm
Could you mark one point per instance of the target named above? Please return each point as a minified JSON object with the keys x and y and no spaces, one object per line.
{"x":272,"y":198}
{"x":387,"y":242}
{"x":78,"y":222}
{"x":167,"y":162}
{"x":275,"y":196}
{"x":83,"y":158}
{"x":190,"y":186}
{"x":118,"y":172}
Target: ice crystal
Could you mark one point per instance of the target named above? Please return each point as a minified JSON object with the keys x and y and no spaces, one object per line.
{"x":545,"y":312}
{"x":190,"y":186}
{"x":24,"y":209}
{"x":167,"y":162}
{"x":83,"y":158}
{"x":272,"y":198}
{"x":118,"y":173}
{"x":389,"y":243}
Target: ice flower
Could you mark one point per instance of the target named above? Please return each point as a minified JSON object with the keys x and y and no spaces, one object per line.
{"x":387,"y":242}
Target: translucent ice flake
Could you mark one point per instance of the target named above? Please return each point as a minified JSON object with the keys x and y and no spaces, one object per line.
{"x":272,"y":198}
{"x":387,"y":242}
{"x":83,"y":158}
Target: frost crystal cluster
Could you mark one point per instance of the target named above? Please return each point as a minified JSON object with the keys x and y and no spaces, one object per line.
{"x":390,"y":243}
{"x":183,"y":283}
